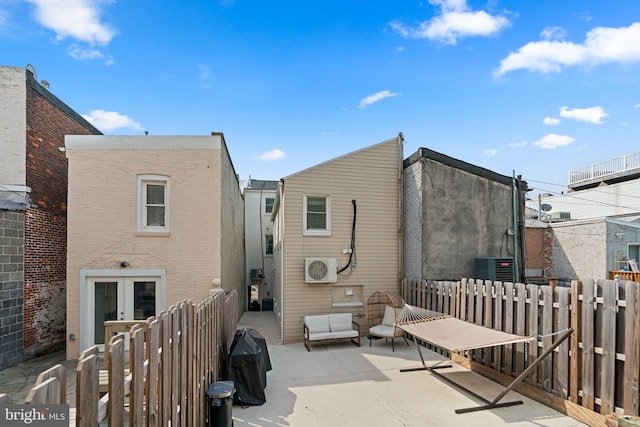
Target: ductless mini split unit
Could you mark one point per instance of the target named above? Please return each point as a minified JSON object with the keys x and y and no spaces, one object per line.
{"x":320,"y":270}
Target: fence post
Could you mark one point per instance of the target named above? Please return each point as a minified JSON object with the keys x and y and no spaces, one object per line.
{"x":632,"y":349}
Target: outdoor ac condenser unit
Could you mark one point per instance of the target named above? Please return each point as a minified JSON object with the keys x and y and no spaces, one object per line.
{"x":320,"y":270}
{"x":494,"y":268}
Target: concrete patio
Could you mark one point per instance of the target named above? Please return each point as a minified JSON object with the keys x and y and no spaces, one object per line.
{"x":339,"y":384}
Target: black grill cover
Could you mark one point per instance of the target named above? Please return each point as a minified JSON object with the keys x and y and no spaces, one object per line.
{"x":248,"y":365}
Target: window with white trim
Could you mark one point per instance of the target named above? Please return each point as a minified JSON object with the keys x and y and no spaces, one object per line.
{"x":268,"y":204}
{"x":317,"y":215}
{"x":268,"y":244}
{"x":153,"y":203}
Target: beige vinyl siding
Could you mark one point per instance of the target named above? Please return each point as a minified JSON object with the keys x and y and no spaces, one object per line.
{"x":372,"y":178}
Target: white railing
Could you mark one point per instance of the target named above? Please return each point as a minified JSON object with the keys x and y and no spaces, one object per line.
{"x":615,"y":166}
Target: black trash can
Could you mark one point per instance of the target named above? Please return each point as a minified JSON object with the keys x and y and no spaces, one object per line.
{"x":220,"y":399}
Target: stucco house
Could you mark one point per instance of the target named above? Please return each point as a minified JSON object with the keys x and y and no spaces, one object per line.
{"x":152,"y":220}
{"x":591,"y":248}
{"x":455,"y":213}
{"x":33,"y":214}
{"x":259,"y":197}
{"x":337,"y":236}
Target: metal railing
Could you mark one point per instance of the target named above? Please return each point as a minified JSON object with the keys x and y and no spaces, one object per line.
{"x":621,"y":164}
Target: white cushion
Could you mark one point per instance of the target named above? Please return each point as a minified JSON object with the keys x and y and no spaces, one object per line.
{"x":389,"y":316}
{"x":382,"y":331}
{"x":318,"y":323}
{"x":340,"y":322}
{"x":345,"y":334}
{"x":321,"y":336}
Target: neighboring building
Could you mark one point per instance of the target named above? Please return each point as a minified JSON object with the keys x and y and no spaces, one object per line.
{"x":610,"y":188}
{"x":337,"y":236}
{"x":455,"y":212}
{"x":33,"y":215}
{"x":259,"y":198}
{"x":153,"y":220}
{"x":589,"y":249}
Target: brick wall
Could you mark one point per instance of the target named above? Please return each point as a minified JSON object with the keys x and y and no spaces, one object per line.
{"x":11,"y":287}
{"x":48,"y":121}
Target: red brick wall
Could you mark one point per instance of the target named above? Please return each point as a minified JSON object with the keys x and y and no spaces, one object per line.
{"x":46,"y":223}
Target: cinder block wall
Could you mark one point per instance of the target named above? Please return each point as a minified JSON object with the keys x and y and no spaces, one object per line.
{"x":48,"y":120}
{"x":11,"y":287}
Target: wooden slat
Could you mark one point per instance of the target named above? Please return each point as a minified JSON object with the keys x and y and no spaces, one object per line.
{"x":497,"y":322}
{"x":575,"y":323}
{"x":534,"y":307}
{"x":87,"y":393}
{"x":508,"y":327}
{"x":588,"y":344}
{"x":152,"y":385}
{"x":48,"y":394}
{"x":562,"y":322}
{"x":45,"y":392}
{"x":137,"y":359}
{"x":463,"y":291}
{"x":607,"y":371}
{"x":632,"y":349}
{"x":520,"y":326}
{"x":545,"y":374}
{"x":175,"y":366}
{"x":116,"y":373}
{"x":166,"y":378}
{"x":487,"y":319}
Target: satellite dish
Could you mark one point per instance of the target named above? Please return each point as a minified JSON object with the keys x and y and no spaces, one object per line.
{"x":545,"y":207}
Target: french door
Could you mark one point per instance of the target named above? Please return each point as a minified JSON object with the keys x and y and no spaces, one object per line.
{"x":119,"y":298}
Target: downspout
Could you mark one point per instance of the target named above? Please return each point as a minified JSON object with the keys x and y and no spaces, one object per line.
{"x":521,"y":229}
{"x":516,"y":267}
{"x":400,"y":212}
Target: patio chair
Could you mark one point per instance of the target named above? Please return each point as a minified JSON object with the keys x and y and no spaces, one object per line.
{"x":387,"y":328}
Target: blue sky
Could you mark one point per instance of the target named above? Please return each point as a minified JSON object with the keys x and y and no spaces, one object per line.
{"x":539,"y":87}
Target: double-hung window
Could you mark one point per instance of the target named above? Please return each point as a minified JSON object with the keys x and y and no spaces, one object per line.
{"x":317,"y":215}
{"x":153,"y":204}
{"x":268,"y":204}
{"x":268,"y":244}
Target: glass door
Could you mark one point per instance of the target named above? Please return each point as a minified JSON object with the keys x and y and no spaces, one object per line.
{"x":120,"y":299}
{"x":107,"y":306}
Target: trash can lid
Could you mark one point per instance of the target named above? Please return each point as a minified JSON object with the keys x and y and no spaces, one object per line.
{"x":221,"y":389}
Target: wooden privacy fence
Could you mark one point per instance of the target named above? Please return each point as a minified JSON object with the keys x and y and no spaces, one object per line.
{"x":172,"y":360}
{"x":598,"y":368}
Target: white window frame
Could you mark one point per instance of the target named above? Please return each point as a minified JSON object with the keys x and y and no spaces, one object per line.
{"x":143,"y":181}
{"x":316,"y":232}
{"x":273,"y":202}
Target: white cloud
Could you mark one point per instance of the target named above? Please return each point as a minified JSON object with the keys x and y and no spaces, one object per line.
{"x":490,"y":152}
{"x":553,"y":141}
{"x":78,"y":19}
{"x":637,"y":105}
{"x":274,"y":154}
{"x":553,"y":33}
{"x":591,"y":115}
{"x":372,"y":99}
{"x":455,"y":21}
{"x":602,"y":45}
{"x":518,"y":144}
{"x":108,"y":121}
{"x":551,"y":121}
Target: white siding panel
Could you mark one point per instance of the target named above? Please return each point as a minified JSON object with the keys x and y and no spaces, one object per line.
{"x":614,"y":199}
